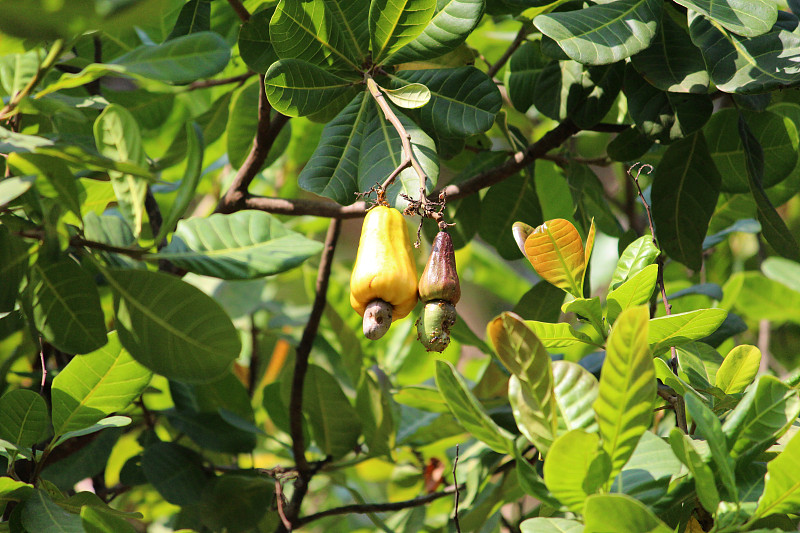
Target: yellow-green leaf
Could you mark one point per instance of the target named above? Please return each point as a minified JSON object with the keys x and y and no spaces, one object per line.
{"x":576,"y":467}
{"x":782,"y":487}
{"x":738,"y":369}
{"x":556,"y":252}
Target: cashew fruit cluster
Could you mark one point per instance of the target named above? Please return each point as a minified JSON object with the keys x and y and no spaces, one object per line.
{"x":383,"y":285}
{"x":440,"y":290}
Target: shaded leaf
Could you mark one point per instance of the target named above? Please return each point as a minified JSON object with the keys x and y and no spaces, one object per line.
{"x":23,"y":418}
{"x":172,"y":327}
{"x":236,"y":502}
{"x":637,"y":255}
{"x":41,"y":513}
{"x":685,"y":191}
{"x":550,"y":525}
{"x":709,"y":426}
{"x":782,"y":487}
{"x":523,"y":70}
{"x":748,"y":18}
{"x":13,"y":266}
{"x":58,"y":182}
{"x":195,"y":16}
{"x":704,"y":481}
{"x":505,"y":205}
{"x":175,"y":471}
{"x":255,"y":45}
{"x":66,"y":306}
{"x":334,"y":422}
{"x":297,"y":88}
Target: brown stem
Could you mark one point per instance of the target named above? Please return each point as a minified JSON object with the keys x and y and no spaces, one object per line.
{"x":516,"y":43}
{"x":237,"y":6}
{"x":375,"y":507}
{"x":266,"y":133}
{"x":405,"y":139}
{"x":204,"y":84}
{"x":676,"y":403}
{"x":455,"y":484}
{"x":305,"y":470}
{"x":281,"y":502}
{"x":252,"y":380}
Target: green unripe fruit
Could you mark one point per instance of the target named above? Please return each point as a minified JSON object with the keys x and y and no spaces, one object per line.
{"x":433,"y":325}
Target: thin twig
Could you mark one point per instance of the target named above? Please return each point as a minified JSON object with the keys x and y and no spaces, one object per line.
{"x":408,"y":154}
{"x":516,"y":43}
{"x":305,"y":470}
{"x":375,"y":507}
{"x":205,"y":84}
{"x":455,"y":484}
{"x":44,"y":68}
{"x":241,"y":11}
{"x":44,"y":367}
{"x":676,"y":403}
{"x":252,"y":379}
{"x":280,"y":500}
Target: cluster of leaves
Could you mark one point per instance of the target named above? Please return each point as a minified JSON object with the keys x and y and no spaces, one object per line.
{"x":153,"y":347}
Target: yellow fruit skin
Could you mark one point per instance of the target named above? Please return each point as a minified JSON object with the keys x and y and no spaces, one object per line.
{"x":385,"y":266}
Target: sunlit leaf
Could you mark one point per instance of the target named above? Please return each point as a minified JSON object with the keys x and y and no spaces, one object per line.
{"x":748,"y":18}
{"x":618,"y":513}
{"x":576,"y":467}
{"x":392,"y":25}
{"x":637,"y":255}
{"x":635,"y":291}
{"x":626,"y":397}
{"x":738,"y":369}
{"x":575,"y":390}
{"x":409,"y":96}
{"x":674,"y":330}
{"x":782,"y":488}
{"x":556,"y":252}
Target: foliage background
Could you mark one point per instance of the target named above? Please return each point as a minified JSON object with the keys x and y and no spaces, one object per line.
{"x":169,"y":217}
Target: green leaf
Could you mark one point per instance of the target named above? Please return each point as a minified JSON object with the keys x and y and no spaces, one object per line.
{"x":409,"y":96}
{"x":747,"y":65}
{"x":498,"y":214}
{"x":575,"y":468}
{"x":13,"y":266}
{"x":637,"y":255}
{"x":450,"y":26}
{"x":12,"y":490}
{"x":663,"y":116}
{"x":463,"y":102}
{"x":524,"y":67}
{"x":392,"y":25}
{"x":23,"y":418}
{"x":12,"y":188}
{"x":191,"y":177}
{"x":110,"y":422}
{"x":674,"y":330}
{"x":297,"y":88}
{"x":96,"y":520}
{"x":748,"y":18}
{"x":776,"y":134}
{"x":66,"y":306}
{"x":468,"y":411}
{"x":255,"y":45}
{"x":765,"y":413}
{"x":671,"y":62}
{"x":583,"y":93}
{"x":320,"y":33}
{"x":117,"y":135}
{"x":59,"y":182}
{"x":575,"y":390}
{"x":782,"y":487}
{"x":334,"y":422}
{"x":242,"y":245}
{"x":558,"y":335}
{"x":773,"y":227}
{"x":646,"y":475}
{"x":424,"y":398}
{"x":684,"y":197}
{"x":636,"y":291}
{"x":738,"y":369}
{"x":588,"y":309}
{"x":704,"y":482}
{"x":176,"y":472}
{"x":550,"y":525}
{"x":709,"y":426}
{"x":41,"y":513}
{"x":627,"y":390}
{"x":172,"y":327}
{"x":604,"y":33}
{"x":542,"y":303}
{"x":236,"y":502}
{"x":95,"y":385}
{"x":617,"y":513}
{"x":195,"y":16}
{"x":783,"y":271}
{"x":535,"y":415}
{"x":374,"y":406}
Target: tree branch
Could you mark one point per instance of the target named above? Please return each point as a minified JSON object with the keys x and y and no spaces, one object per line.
{"x":305,"y":470}
{"x":516,"y":43}
{"x":237,"y":6}
{"x":517,"y":161}
{"x":375,"y":507}
{"x":266,"y":133}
